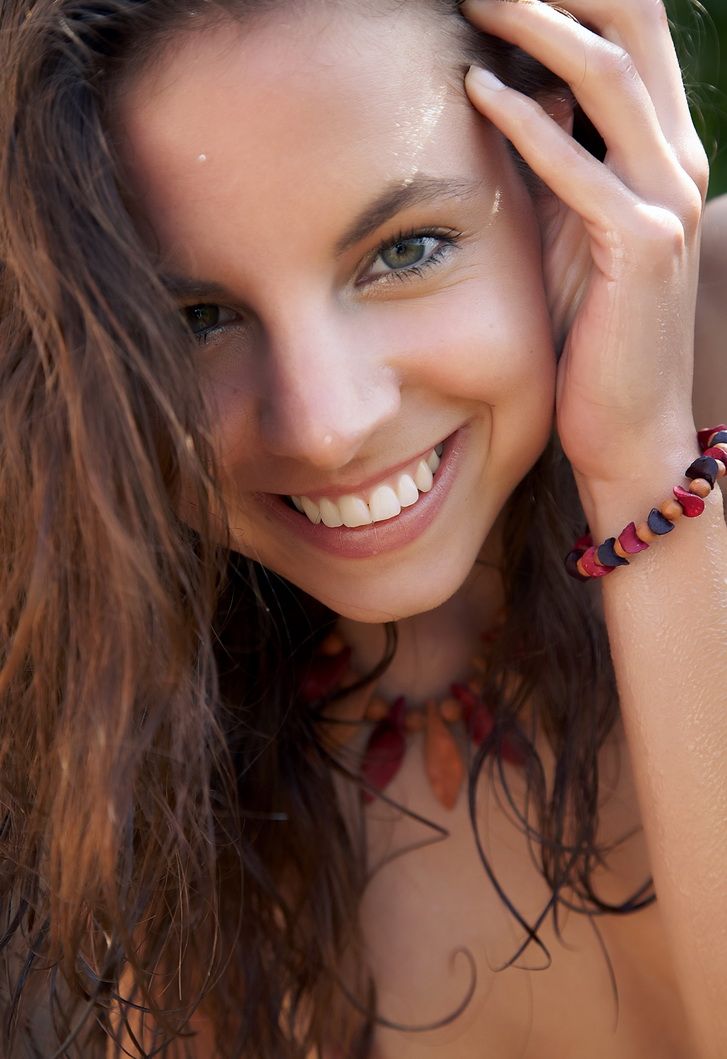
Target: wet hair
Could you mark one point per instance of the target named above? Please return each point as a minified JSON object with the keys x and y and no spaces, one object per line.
{"x":168,"y":804}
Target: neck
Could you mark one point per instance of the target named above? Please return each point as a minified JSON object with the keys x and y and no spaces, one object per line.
{"x":436,"y":647}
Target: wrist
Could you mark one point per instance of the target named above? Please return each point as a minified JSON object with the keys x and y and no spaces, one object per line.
{"x":611,"y":503}
{"x":664,"y":498}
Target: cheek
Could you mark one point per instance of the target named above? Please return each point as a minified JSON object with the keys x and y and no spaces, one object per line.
{"x":479,"y":344}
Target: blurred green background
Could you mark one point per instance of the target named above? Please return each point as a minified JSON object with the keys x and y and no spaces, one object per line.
{"x":701,"y":34}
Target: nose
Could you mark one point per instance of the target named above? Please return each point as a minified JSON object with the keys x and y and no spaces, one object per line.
{"x":327,"y":392}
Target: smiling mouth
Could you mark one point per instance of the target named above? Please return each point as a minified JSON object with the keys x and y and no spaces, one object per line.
{"x":382,"y":501}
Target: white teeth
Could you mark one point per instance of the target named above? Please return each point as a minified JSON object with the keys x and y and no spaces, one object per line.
{"x":406,"y":490}
{"x":423,"y":478}
{"x":330,"y":515}
{"x":311,"y":509}
{"x":433,"y":461}
{"x":384,"y":503}
{"x":354,"y":511}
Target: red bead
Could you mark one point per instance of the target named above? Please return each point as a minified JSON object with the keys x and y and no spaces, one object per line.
{"x":571,"y":565}
{"x":704,"y":436}
{"x":717,"y":454}
{"x":691,"y":504}
{"x":510,"y":752}
{"x":477,"y":718}
{"x":466,"y":696}
{"x":591,"y":565}
{"x":479,"y":723}
{"x":628,"y":540}
{"x":382,"y":758}
{"x":586,"y":541}
{"x":324,"y":674}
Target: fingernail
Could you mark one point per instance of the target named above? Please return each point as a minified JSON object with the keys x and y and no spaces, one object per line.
{"x":485,"y":78}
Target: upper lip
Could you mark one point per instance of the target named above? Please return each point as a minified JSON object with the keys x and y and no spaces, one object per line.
{"x":341,"y":489}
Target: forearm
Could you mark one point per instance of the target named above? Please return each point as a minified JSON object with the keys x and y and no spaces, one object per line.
{"x":667,"y":621}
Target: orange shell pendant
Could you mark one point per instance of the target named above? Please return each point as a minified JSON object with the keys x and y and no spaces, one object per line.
{"x":442,"y":761}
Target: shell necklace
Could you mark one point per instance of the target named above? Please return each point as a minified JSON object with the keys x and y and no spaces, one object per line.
{"x":394,"y":722}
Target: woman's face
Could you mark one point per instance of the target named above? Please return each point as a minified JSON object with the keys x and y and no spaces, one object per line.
{"x":363,"y":272}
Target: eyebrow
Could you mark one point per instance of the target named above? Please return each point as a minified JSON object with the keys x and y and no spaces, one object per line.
{"x":394,"y":198}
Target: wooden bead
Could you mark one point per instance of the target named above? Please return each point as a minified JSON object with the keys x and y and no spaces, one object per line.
{"x":450,"y":711}
{"x":414,"y":720}
{"x":332,"y":645}
{"x":631,"y":540}
{"x":672,"y":510}
{"x":377,"y":709}
{"x":693,"y":505}
{"x":645,"y":534}
{"x":700,"y":487}
{"x":607,"y":555}
{"x":719,"y":455}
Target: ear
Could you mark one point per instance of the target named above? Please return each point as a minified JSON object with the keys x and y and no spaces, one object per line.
{"x":561,"y":108}
{"x":566,"y":252}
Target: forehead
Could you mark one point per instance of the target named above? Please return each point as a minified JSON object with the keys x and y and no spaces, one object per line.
{"x":293,"y":114}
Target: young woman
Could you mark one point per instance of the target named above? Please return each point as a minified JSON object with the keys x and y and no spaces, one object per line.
{"x":320,"y":350}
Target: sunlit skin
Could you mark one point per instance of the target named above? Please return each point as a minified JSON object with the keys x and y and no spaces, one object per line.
{"x":252,"y":151}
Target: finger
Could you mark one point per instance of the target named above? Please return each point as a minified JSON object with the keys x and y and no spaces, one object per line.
{"x":622,"y":228}
{"x":641,"y":27}
{"x":606,"y":84}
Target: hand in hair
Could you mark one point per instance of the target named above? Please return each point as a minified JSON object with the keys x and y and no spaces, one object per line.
{"x":621,"y":243}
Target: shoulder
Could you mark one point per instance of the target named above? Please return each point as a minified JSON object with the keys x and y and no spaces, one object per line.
{"x":710,"y":367}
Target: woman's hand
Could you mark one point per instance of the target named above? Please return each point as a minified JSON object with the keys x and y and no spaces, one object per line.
{"x":621,"y":243}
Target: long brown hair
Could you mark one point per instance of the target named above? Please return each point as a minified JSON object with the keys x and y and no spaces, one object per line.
{"x":168,"y":809}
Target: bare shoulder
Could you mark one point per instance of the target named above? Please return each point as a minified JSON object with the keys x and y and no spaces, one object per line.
{"x":710,"y":369}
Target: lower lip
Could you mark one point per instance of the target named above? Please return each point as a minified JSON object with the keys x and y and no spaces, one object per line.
{"x":365,"y":542}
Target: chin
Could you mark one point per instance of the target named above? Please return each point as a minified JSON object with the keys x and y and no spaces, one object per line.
{"x":392,"y":596}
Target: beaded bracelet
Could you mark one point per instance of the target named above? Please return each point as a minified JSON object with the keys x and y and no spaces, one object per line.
{"x":586,"y":560}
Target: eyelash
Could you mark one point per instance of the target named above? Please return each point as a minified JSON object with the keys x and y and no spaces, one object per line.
{"x":448,"y":241}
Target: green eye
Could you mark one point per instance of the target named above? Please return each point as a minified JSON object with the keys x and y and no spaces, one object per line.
{"x":405,"y":253}
{"x":410,"y":253}
{"x":201,"y":317}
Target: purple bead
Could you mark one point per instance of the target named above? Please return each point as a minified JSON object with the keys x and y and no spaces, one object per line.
{"x":657,"y":523}
{"x":704,"y":467}
{"x":607,"y":556}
